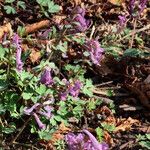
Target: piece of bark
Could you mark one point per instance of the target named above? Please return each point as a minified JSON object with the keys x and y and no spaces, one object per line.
{"x":36,"y":26}
{"x":142,"y":97}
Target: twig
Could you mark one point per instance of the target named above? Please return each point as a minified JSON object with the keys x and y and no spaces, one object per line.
{"x":25,"y":145}
{"x":104,"y":99}
{"x":105,"y":83}
{"x":22,"y":128}
{"x":136,"y":31}
{"x":109,"y":88}
{"x":133,"y":33}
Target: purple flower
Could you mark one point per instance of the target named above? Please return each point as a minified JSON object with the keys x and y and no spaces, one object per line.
{"x":47,"y":112}
{"x":17,"y":42}
{"x":79,"y":142}
{"x":78,"y":21}
{"x":122,"y":20}
{"x":46,"y":77}
{"x":79,"y":10}
{"x":95,"y":143}
{"x":74,"y":142}
{"x":63,"y":96}
{"x":28,"y":111}
{"x":45,"y":34}
{"x":142,"y":5}
{"x":80,"y":24}
{"x":95,"y":51}
{"x":75,"y":89}
{"x":136,"y":10}
{"x":131,"y":6}
{"x":40,"y":124}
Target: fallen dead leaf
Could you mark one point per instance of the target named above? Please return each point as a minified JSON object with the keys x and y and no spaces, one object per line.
{"x":107,"y":138}
{"x":6,"y":29}
{"x":58,"y":135}
{"x":116,"y":2}
{"x":126,"y":124}
{"x":35,"y":55}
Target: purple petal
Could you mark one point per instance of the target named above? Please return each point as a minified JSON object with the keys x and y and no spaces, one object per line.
{"x":40,"y":124}
{"x":122,"y":20}
{"x":79,"y":10}
{"x":94,"y":141}
{"x":73,"y":141}
{"x":75,"y":89}
{"x":63,"y":96}
{"x":95,"y":50}
{"x":17,"y":42}
{"x":142,"y":5}
{"x":46,"y":77}
{"x":47,"y":113}
{"x":28,"y":111}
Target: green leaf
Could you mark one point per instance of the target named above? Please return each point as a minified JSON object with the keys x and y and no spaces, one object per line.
{"x":87,"y":89}
{"x":25,"y":75}
{"x":42,"y":2}
{"x":108,"y":127}
{"x":2,"y":109}
{"x":21,"y":4}
{"x":52,"y":8}
{"x":45,"y":135}
{"x":58,"y":118}
{"x":9,"y":1}
{"x":21,"y":30}
{"x":41,"y":90}
{"x":26,"y":95}
{"x":132,"y":52}
{"x":2,"y":52}
{"x":62,"y":47}
{"x":3,"y":85}
{"x":9,"y":9}
{"x":145,"y":144}
{"x":99,"y":133}
{"x":10,"y":129}
{"x":147,"y":136}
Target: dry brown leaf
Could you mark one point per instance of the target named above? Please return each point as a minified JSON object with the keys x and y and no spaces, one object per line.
{"x":6,"y":29}
{"x":126,"y":124}
{"x":116,"y":2}
{"x":58,"y":135}
{"x":35,"y":55}
{"x":107,"y":138}
{"x":58,"y":19}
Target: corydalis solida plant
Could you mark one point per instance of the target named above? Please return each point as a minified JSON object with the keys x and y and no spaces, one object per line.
{"x":17,"y":43}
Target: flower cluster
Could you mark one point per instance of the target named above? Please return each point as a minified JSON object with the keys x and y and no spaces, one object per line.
{"x":137,"y":10}
{"x":46,"y":77}
{"x":95,"y":51}
{"x":37,"y":110}
{"x":17,"y":42}
{"x":72,"y":89}
{"x":78,"y":21}
{"x":78,"y":142}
